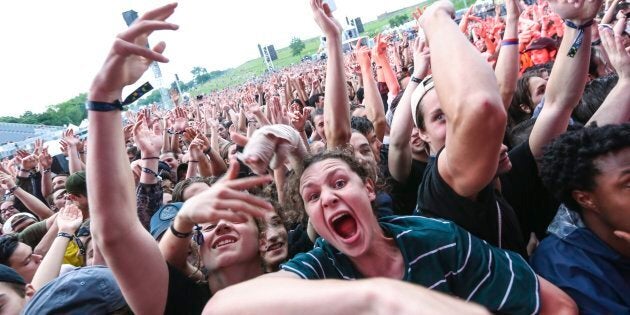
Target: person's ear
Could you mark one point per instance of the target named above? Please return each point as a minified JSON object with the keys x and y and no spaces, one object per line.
{"x":585,"y":199}
{"x":425,"y":137}
{"x":524,"y":108}
{"x":370,"y":186}
{"x":29,"y":292}
{"x":73,"y":197}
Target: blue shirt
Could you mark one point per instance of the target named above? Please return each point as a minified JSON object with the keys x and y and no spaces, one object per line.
{"x":441,"y":256}
{"x":593,"y":274}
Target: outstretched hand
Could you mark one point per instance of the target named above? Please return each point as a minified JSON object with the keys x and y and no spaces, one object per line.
{"x":148,"y":139}
{"x":325,"y":20}
{"x":578,"y":11}
{"x":69,"y":219}
{"x":226,"y":199}
{"x":129,"y":57}
{"x":619,"y":55}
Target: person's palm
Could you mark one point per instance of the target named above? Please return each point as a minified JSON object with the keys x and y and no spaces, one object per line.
{"x":149,"y":141}
{"x":69,"y":219}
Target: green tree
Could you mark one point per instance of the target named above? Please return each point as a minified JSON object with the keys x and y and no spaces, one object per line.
{"x":297,"y":45}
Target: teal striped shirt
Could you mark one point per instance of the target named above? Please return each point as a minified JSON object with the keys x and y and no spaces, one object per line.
{"x":441,"y":256}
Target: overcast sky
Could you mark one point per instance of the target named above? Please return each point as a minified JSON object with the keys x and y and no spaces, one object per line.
{"x":51,"y":49}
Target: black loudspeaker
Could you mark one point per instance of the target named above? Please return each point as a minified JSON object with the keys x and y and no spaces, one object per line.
{"x":272,"y":52}
{"x":359,"y":25}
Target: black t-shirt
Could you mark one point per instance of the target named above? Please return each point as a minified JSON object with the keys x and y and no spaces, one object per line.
{"x":487,"y":217}
{"x":185,"y":296}
{"x":405,"y":195}
{"x":524,"y":190}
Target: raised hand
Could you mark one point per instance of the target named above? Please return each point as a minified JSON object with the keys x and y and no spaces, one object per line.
{"x":298,"y":120}
{"x":421,"y":59}
{"x":438,"y":6}
{"x":578,"y":11}
{"x":226,"y":199}
{"x":69,"y":137}
{"x":129,"y":57}
{"x":325,"y":20}
{"x":148,"y":140}
{"x":6,"y":181}
{"x":613,"y":42}
{"x":69,"y":219}
{"x":28,"y":162}
{"x":364,"y":56}
{"x":380,"y":48}
{"x":181,"y":120}
{"x":45,"y":160}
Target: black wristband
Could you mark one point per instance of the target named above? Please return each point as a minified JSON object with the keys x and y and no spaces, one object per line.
{"x":103,"y":107}
{"x":179,"y":234}
{"x":150,"y":171}
{"x":66,"y":235}
{"x":13,"y":189}
{"x":416,"y":80}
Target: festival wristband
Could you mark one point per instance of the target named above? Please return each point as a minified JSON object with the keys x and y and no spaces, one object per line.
{"x":577,"y":43}
{"x":509,"y":42}
{"x":117,"y":105}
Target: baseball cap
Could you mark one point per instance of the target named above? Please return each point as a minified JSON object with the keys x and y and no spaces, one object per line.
{"x":161,"y":219}
{"x":418,"y":94}
{"x":16,"y":219}
{"x":86,"y":290}
{"x":542,"y":43}
{"x":76,"y":185}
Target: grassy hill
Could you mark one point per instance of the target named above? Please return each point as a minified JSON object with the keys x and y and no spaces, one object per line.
{"x":256,"y":66}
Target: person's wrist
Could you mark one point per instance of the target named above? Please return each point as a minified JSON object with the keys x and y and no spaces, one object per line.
{"x":183,"y":223}
{"x":67,"y":230}
{"x":98,"y":94}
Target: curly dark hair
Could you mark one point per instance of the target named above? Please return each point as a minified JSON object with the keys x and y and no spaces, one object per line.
{"x":568,"y":163}
{"x":8,"y":244}
{"x":293,"y":183}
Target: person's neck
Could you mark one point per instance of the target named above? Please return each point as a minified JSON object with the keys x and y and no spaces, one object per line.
{"x":606,"y":234}
{"x":227,"y":276}
{"x":383,"y":259}
{"x":422,"y":157}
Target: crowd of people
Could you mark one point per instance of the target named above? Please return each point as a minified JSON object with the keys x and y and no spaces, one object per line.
{"x":506,"y":190}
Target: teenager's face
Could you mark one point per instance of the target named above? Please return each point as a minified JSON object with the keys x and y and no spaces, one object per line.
{"x":319,"y":125}
{"x":24,"y":261}
{"x":434,"y":132}
{"x":363,"y":151}
{"x":59,"y":198}
{"x":170,"y":159}
{"x":338,"y":204}
{"x":539,"y":56}
{"x":7,"y":209}
{"x":611,"y":195}
{"x":537,"y":87}
{"x":417,"y":145}
{"x":59,"y":182}
{"x":273,"y":240}
{"x":227,"y":243}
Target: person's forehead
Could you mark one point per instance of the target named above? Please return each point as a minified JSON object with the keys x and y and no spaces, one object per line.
{"x":357,"y":139}
{"x":321,"y":169}
{"x":6,"y":204}
{"x":21,"y":252}
{"x":614,"y":163}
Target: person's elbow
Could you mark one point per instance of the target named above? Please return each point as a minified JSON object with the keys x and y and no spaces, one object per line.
{"x":486,"y":108}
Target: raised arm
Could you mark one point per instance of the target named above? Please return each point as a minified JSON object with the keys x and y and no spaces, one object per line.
{"x":336,"y":105}
{"x":72,"y":142}
{"x":68,"y":221}
{"x":384,"y":68}
{"x":115,"y":226}
{"x":372,"y":101}
{"x":568,"y":76}
{"x":399,"y":156}
{"x":616,"y":106}
{"x":507,"y":63}
{"x":148,"y":193}
{"x":30,"y":201}
{"x":468,"y":94}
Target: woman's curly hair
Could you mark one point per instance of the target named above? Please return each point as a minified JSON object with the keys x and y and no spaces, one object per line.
{"x":568,"y":163}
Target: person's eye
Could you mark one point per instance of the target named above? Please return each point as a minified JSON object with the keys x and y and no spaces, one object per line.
{"x":209,"y":228}
{"x":340,"y":183}
{"x":312,"y":197}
